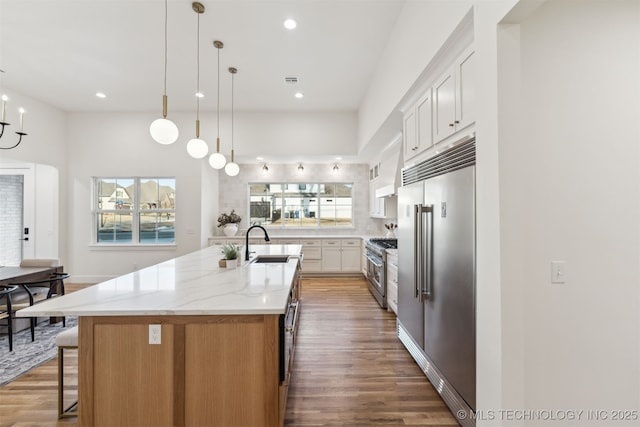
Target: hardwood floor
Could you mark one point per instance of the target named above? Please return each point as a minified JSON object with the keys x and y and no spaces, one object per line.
{"x":349,"y":370}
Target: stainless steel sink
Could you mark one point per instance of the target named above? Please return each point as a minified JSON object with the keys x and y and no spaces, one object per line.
{"x":261,"y":259}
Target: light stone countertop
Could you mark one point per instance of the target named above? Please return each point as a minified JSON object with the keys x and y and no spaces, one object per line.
{"x":192,"y":284}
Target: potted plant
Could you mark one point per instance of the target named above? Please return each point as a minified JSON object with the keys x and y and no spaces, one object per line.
{"x":231,"y":254}
{"x":229,"y":222}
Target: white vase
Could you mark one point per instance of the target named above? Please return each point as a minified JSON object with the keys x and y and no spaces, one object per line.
{"x":230,"y":229}
{"x":232,"y":263}
{"x":391,"y":234}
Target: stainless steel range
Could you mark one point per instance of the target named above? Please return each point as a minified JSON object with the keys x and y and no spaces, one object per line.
{"x":377,"y":267}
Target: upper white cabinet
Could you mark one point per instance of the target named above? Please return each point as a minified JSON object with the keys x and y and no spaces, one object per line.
{"x":384,"y":182}
{"x":376,"y":204}
{"x":410,"y":141}
{"x":444,"y":109}
{"x":418,"y":127}
{"x":454,"y":97}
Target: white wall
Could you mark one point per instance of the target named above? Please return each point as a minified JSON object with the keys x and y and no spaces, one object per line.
{"x":44,"y":145}
{"x":569,"y":190}
{"x":119,"y":145}
{"x":421,"y":29}
{"x":303,"y":134}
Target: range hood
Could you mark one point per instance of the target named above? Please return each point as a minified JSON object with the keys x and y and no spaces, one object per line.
{"x":390,"y":169}
{"x":386,"y":191}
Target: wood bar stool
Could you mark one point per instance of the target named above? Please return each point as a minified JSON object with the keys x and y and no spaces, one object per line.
{"x":66,"y":340}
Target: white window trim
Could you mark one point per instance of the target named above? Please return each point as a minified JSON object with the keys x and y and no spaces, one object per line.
{"x":135,"y":217}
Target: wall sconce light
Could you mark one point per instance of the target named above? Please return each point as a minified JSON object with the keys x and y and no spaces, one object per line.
{"x":336,"y":168}
{"x":300,"y":168}
{"x":265,"y":168}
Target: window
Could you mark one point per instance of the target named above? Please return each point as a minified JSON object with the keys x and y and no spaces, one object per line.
{"x":290,"y":205}
{"x":135,"y":210}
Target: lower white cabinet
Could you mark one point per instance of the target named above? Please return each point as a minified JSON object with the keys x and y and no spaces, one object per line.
{"x":341,"y":255}
{"x":312,"y":255}
{"x":363,"y":263}
{"x":319,"y":255}
{"x":392,"y":281}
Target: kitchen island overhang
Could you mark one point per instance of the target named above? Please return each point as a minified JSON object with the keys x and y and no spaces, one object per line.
{"x":218,"y":362}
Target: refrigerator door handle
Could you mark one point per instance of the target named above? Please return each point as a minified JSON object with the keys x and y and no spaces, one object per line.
{"x":427,"y":277}
{"x":417,"y":252}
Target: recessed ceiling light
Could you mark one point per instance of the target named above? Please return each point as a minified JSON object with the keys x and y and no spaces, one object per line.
{"x":299,"y":95}
{"x":100,"y":95}
{"x":259,"y":158}
{"x":290,"y":24}
{"x":338,"y":158}
{"x":200,"y":94}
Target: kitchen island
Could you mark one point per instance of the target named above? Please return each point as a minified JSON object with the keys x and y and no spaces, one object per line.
{"x":222,"y":354}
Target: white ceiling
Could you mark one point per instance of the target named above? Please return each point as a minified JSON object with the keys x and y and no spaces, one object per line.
{"x":62,"y":52}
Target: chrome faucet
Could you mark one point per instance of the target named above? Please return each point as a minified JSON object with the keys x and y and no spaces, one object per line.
{"x":246,"y":243}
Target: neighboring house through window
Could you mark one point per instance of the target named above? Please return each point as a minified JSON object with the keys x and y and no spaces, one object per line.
{"x":135,"y":210}
{"x":301,"y":204}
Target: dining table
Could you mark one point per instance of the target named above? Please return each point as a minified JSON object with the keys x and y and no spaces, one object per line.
{"x":16,"y":275}
{"x":11,"y":274}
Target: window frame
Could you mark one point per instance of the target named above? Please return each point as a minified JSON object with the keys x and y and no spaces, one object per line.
{"x":135,"y":211}
{"x":318,"y":196}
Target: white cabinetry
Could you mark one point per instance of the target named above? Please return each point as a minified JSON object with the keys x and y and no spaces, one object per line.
{"x":392,"y":281}
{"x":454,"y":97}
{"x":319,"y":255}
{"x":418,"y":133}
{"x":363,"y":260}
{"x":383,"y":207}
{"x":312,"y":255}
{"x":376,"y":204}
{"x":341,"y":255}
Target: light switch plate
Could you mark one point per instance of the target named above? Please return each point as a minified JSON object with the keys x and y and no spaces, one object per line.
{"x":558,"y":272}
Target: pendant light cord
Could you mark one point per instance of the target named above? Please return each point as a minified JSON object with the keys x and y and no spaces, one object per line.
{"x":218,"y":107}
{"x":198,"y":80}
{"x":166,"y":19}
{"x":232,"y":79}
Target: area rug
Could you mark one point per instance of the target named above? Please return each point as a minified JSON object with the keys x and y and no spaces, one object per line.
{"x":26,"y":355}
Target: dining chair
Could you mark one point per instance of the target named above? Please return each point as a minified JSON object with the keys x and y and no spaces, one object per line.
{"x":40,"y":290}
{"x":7,"y":310}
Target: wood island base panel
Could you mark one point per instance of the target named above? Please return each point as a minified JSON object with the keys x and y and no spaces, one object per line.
{"x":207,"y":370}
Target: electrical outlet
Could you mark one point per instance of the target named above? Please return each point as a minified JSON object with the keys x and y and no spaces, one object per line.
{"x":155,"y":334}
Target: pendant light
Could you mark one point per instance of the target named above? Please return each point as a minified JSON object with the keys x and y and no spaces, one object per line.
{"x":217,"y":160}
{"x":163,"y":130}
{"x":197,"y":148}
{"x":232,"y":168}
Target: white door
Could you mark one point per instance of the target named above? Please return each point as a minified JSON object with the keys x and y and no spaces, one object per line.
{"x":17,"y":210}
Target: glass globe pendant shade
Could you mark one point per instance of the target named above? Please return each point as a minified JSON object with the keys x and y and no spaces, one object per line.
{"x":217,"y":161}
{"x":232,"y":169}
{"x":197,"y":148}
{"x":164,"y":131}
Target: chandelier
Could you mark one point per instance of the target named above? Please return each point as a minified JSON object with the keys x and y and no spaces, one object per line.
{"x":4,"y":123}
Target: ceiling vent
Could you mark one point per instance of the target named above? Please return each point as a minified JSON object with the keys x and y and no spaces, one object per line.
{"x":291,"y":80}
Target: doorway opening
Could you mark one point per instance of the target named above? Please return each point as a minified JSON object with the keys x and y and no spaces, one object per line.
{"x":11,"y":218}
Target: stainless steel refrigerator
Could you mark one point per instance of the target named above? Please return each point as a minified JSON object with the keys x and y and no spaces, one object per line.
{"x":436,"y":272}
